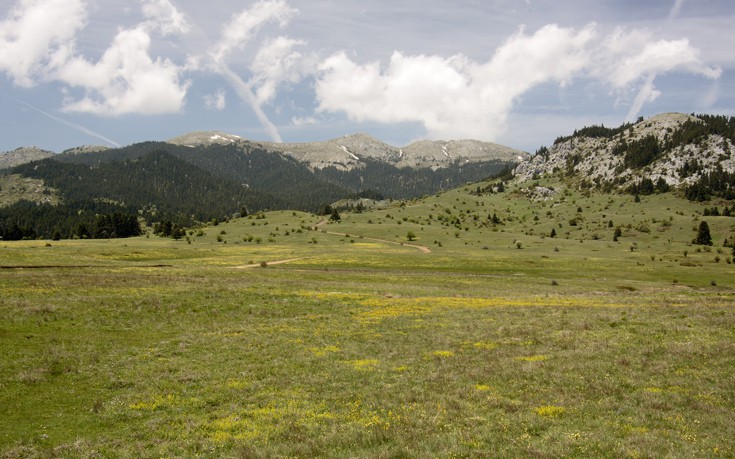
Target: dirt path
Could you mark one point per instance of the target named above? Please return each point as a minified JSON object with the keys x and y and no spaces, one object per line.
{"x":422,"y":248}
{"x":268,"y":263}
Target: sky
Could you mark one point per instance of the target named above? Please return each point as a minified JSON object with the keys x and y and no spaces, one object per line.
{"x":515,"y":72}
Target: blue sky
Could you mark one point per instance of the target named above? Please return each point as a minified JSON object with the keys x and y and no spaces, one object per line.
{"x":516,"y":72}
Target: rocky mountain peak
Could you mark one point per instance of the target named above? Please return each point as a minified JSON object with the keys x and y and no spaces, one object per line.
{"x":205,"y":138}
{"x":23,"y":155}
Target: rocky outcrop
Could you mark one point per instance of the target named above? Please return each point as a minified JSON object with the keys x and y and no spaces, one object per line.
{"x":598,"y":160}
{"x":22,"y":155}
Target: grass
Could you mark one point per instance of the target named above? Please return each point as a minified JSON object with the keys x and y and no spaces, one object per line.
{"x":358,"y":348}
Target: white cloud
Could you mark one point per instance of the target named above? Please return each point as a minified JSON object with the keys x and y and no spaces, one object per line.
{"x":236,"y":35}
{"x":38,"y":35}
{"x":629,"y":60}
{"x":276,"y":63}
{"x":125,"y":79}
{"x":243,"y":26}
{"x":37,"y":42}
{"x":625,"y":67}
{"x":453,"y":97}
{"x":246,"y":95}
{"x":456,"y":97}
{"x":164,"y":17}
{"x":647,"y":93}
{"x":300,"y":121}
{"x":215,"y":101}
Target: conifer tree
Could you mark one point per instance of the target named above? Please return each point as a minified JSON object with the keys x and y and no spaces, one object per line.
{"x":703,"y":235}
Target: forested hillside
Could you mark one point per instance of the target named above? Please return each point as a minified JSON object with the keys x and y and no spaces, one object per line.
{"x":405,"y":182}
{"x":157,"y":184}
{"x":86,"y":219}
{"x":281,"y":181}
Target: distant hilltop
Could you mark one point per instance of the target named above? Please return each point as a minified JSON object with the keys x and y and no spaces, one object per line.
{"x":352,"y":151}
{"x":22,"y":155}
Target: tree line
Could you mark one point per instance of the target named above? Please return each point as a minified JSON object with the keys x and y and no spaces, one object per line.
{"x":28,"y":220}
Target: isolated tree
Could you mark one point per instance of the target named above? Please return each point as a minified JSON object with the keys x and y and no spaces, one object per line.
{"x":335,"y":217}
{"x":703,"y":235}
{"x":411,"y":236}
{"x":177,"y":232}
{"x":553,"y":233}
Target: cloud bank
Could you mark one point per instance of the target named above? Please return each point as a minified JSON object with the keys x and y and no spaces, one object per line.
{"x":450,"y":96}
{"x":458,"y":98}
{"x":37,"y":45}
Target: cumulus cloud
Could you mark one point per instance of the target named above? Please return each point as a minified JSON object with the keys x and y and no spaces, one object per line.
{"x":125,"y":79}
{"x":37,"y":44}
{"x":37,"y":36}
{"x":456,"y":97}
{"x":215,"y":101}
{"x":453,"y":97}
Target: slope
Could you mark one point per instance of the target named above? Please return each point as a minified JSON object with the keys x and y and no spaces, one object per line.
{"x":157,"y":184}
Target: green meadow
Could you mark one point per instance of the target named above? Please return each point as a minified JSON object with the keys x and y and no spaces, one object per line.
{"x":419,"y":330}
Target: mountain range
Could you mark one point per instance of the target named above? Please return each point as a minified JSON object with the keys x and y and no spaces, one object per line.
{"x":352,"y":151}
{"x":213,"y":175}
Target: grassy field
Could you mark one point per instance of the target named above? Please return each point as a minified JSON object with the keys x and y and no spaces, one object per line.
{"x":502,"y":341}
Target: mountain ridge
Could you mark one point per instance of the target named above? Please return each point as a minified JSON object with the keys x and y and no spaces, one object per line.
{"x":350,"y":151}
{"x":343,"y":153}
